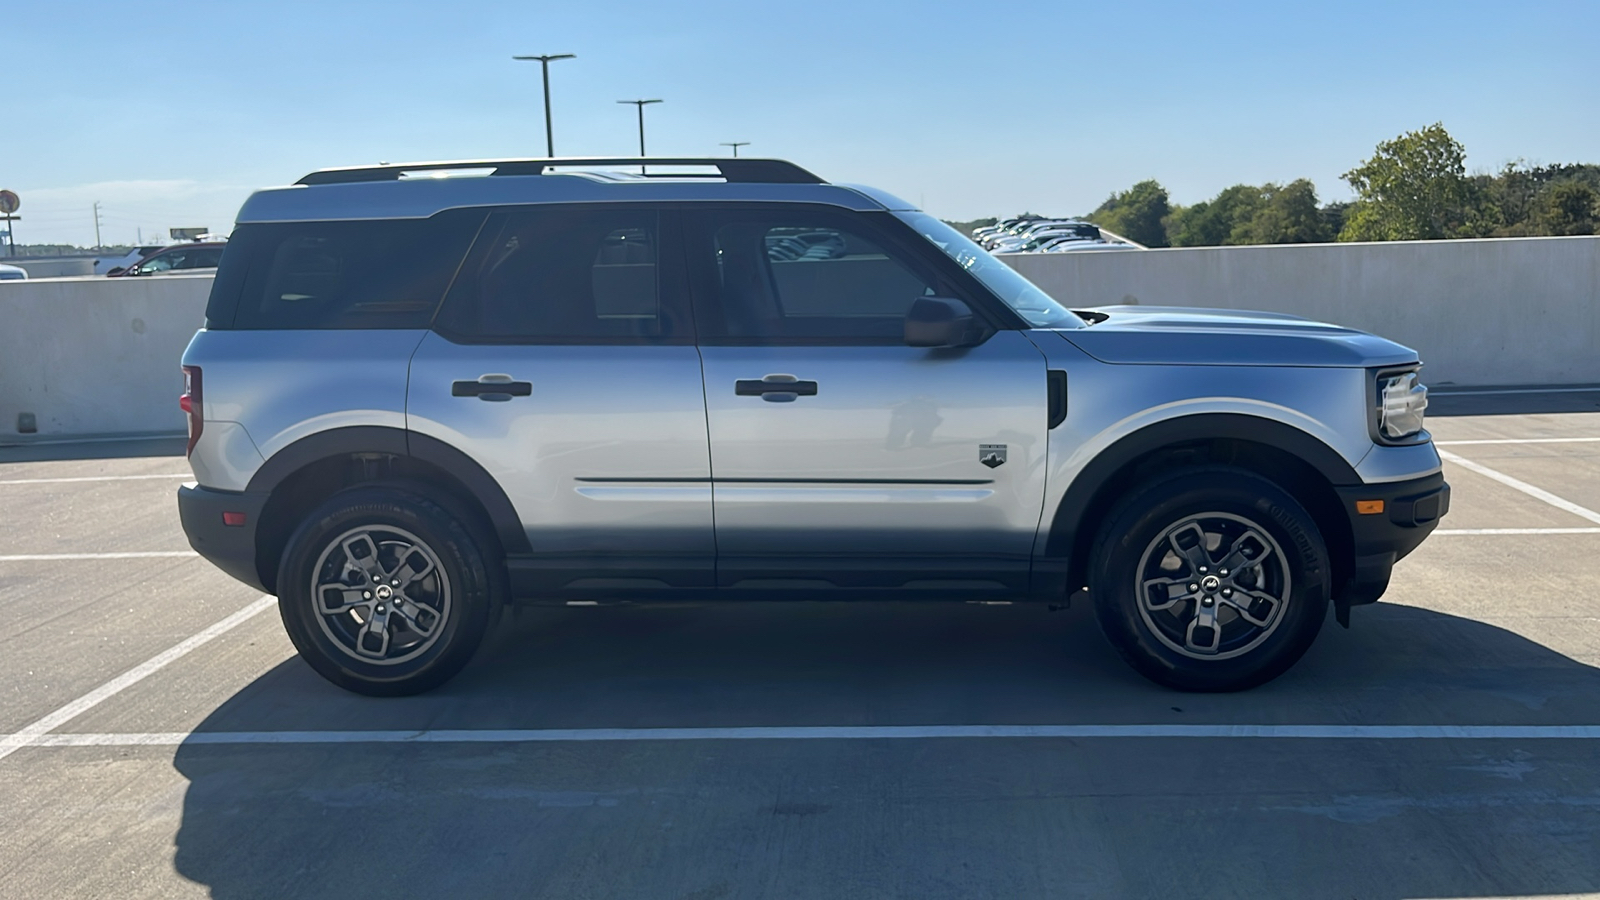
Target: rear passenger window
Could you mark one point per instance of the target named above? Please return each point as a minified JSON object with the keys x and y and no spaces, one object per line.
{"x":332,"y":275}
{"x":565,"y":275}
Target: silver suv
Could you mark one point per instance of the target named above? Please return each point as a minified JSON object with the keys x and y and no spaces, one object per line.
{"x":426,"y":391}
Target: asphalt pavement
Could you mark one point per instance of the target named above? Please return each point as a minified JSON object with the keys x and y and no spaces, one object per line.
{"x":159,"y":737}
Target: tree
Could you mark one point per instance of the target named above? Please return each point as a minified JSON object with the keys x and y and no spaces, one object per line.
{"x":1522,"y":201}
{"x":1570,"y":207}
{"x":1136,"y":214}
{"x":1246,"y":214}
{"x":1413,"y":188}
{"x":1333,"y":217}
{"x":1210,"y":223}
{"x":967,"y":228}
{"x":1285,"y":215}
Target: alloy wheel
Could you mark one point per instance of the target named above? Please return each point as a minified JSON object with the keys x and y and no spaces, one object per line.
{"x":1213,"y":586}
{"x":381,"y":594}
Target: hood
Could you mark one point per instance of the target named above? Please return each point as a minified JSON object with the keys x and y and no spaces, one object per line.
{"x":1171,"y":335}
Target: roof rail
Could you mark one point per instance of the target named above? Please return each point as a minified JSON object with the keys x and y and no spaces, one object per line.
{"x":745,"y":171}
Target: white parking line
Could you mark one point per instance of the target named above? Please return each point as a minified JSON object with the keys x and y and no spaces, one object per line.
{"x":1447,"y":532}
{"x":1534,"y":492}
{"x":95,"y":478}
{"x":1582,"y":440}
{"x":57,"y":557}
{"x":824,"y":733}
{"x":28,"y":735}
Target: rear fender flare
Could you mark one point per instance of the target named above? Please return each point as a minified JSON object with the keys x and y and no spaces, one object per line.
{"x":377,"y":439}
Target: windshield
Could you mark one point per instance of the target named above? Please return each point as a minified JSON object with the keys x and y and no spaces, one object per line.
{"x":1017,"y":292}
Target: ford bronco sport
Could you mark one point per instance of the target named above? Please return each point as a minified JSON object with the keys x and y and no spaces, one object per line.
{"x":426,"y":391}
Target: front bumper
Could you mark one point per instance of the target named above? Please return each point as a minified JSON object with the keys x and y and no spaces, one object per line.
{"x":1411,"y":509}
{"x":231,"y":548}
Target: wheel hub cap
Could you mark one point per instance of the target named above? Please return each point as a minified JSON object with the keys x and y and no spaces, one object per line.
{"x":380,"y":594}
{"x":1213,"y":585}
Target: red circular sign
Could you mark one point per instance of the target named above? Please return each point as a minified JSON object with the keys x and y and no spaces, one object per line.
{"x":9,"y":202}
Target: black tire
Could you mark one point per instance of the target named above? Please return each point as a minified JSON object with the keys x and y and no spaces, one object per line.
{"x":1203,"y":641}
{"x":455,"y":596}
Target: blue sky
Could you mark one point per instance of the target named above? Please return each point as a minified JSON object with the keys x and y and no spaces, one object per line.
{"x":169,"y":114}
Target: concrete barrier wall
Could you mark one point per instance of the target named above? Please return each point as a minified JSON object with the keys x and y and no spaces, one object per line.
{"x":1501,"y":311}
{"x":97,"y":355}
{"x":55,"y":267}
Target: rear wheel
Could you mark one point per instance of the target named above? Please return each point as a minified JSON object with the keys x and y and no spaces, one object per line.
{"x":1210,"y":579}
{"x":385,"y":592}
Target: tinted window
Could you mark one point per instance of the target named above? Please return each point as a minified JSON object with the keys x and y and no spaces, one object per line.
{"x":182,"y":258}
{"x":161,"y":262}
{"x":372,"y":274}
{"x":798,"y":277}
{"x":201,"y":258}
{"x":565,"y":274}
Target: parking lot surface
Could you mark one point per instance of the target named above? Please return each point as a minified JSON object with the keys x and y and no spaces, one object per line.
{"x":159,"y":737}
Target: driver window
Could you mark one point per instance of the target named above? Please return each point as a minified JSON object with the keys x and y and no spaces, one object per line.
{"x":160,"y":263}
{"x":781,"y":278}
{"x":203,"y":258}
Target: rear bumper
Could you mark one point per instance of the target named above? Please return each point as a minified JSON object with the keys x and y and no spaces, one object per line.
{"x":231,"y":548}
{"x":1411,"y":510}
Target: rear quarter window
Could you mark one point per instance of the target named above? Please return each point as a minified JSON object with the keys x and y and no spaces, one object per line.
{"x":387,"y":273}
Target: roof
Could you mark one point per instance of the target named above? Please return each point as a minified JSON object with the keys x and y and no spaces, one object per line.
{"x":419,"y":190}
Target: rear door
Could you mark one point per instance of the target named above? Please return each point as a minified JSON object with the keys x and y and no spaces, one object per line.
{"x":841,"y":457}
{"x":563,"y":362}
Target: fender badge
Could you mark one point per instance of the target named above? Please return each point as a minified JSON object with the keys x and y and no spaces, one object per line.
{"x":992,"y":455}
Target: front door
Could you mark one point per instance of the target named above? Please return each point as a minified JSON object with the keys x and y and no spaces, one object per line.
{"x":563,"y":362}
{"x":840,"y":457}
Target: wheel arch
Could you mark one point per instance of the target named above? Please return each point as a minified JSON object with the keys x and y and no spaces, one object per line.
{"x":308,"y":471}
{"x":1297,"y":461}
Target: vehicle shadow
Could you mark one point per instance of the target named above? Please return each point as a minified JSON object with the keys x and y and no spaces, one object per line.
{"x":997,"y":817}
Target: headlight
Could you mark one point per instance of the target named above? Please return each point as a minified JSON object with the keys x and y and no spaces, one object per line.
{"x":1401,"y":405}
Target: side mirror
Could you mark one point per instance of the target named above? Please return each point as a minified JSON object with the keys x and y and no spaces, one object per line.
{"x":941,"y":322}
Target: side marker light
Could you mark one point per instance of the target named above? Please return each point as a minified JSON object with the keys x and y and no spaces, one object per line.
{"x":1369,"y":507}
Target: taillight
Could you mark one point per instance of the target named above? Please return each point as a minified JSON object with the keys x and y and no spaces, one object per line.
{"x":192,"y":404}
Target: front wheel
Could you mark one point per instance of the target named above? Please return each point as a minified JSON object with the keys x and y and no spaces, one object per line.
{"x":384,"y":592}
{"x":1210,"y":579}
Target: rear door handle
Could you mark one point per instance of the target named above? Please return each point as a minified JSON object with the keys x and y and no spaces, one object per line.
{"x":497,"y":388}
{"x":775,"y":388}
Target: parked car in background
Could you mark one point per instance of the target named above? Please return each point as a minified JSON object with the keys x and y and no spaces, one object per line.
{"x":979,"y":234}
{"x":1061,"y":240}
{"x":1075,"y":246}
{"x":1015,"y":230}
{"x":113,"y":266}
{"x":179,"y":258}
{"x":1037,"y":236}
{"x":13,"y":273}
{"x":1028,"y":232}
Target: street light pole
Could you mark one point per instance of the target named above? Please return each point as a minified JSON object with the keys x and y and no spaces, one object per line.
{"x":544,"y":71}
{"x":735,"y":145}
{"x":641,"y":104}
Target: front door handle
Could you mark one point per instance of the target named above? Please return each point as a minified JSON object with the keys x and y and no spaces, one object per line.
{"x":496,"y":388}
{"x":775,"y":388}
